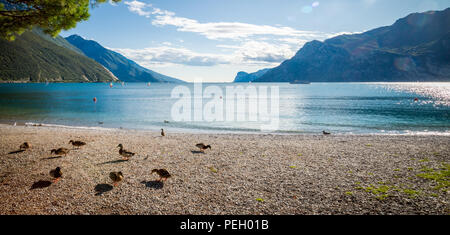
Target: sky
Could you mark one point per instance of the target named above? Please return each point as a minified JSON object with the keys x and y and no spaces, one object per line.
{"x":212,"y":40}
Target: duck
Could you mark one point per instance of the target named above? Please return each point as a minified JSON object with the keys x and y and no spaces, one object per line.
{"x":165,"y":121}
{"x":163,"y":174}
{"x":116,"y":177}
{"x":25,"y":146}
{"x":77,"y":143}
{"x":60,"y":151}
{"x":326,"y":133}
{"x":126,"y":154}
{"x":56,"y":174}
{"x":203,"y":147}
{"x":162,"y":132}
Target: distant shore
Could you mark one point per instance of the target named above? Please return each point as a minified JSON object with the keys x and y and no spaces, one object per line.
{"x":241,"y":174}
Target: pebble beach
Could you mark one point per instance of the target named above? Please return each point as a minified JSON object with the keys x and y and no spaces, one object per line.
{"x":242,"y":174}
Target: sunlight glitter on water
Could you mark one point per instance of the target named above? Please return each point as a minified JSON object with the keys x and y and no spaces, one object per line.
{"x":439,"y":92}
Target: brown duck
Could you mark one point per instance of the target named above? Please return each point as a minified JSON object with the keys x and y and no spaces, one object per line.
{"x":25,"y":146}
{"x":162,"y":132}
{"x":203,"y":147}
{"x":126,"y":154}
{"x":77,"y":143}
{"x":116,"y":177}
{"x":163,"y":174}
{"x":60,"y":151}
{"x":56,"y":174}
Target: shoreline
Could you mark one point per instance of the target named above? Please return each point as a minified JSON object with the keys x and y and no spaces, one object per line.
{"x":241,"y":174}
{"x":223,"y":132}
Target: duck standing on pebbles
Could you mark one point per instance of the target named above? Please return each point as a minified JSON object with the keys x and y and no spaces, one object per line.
{"x":162,"y":132}
{"x":163,"y":174}
{"x":25,"y":146}
{"x":126,"y":154}
{"x":60,"y":151}
{"x":77,"y":143}
{"x":203,"y":147}
{"x":56,"y":174}
{"x":116,"y":177}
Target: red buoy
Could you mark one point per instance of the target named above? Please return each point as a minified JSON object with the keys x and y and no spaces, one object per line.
{"x":95,"y":99}
{"x":416,"y":99}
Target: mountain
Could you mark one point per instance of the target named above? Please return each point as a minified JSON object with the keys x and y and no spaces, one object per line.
{"x":414,"y":48}
{"x":60,"y":41}
{"x":123,"y":68}
{"x":36,"y":57}
{"x":249,"y":77}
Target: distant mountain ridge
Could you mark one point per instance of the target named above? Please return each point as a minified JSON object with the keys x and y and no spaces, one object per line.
{"x":249,"y":77}
{"x":414,"y":48}
{"x":123,"y":68}
{"x":37,"y":57}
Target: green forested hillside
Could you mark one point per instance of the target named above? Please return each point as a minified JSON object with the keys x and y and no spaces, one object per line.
{"x":34,"y":58}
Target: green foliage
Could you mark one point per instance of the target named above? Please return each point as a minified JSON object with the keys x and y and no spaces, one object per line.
{"x":382,"y":196}
{"x":377,"y":190}
{"x":212,"y":169}
{"x":18,"y":16}
{"x":411,"y":193}
{"x":441,"y":176}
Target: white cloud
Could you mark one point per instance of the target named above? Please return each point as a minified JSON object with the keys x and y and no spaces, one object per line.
{"x":140,"y":8}
{"x":248,"y":53}
{"x":217,"y":30}
{"x":251,"y":52}
{"x":112,"y":3}
{"x":228,"y":30}
{"x":165,"y":55}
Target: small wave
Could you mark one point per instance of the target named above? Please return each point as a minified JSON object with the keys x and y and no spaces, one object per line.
{"x":68,"y":127}
{"x":212,"y":130}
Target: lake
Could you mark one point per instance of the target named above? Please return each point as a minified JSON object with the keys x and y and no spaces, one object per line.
{"x":344,"y":108}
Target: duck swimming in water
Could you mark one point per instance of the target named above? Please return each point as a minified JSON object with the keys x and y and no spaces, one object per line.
{"x":326,"y":133}
{"x":163,"y":174}
{"x":203,"y":147}
{"x":126,"y":154}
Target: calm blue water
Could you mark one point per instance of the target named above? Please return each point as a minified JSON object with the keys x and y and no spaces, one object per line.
{"x":357,"y":108}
